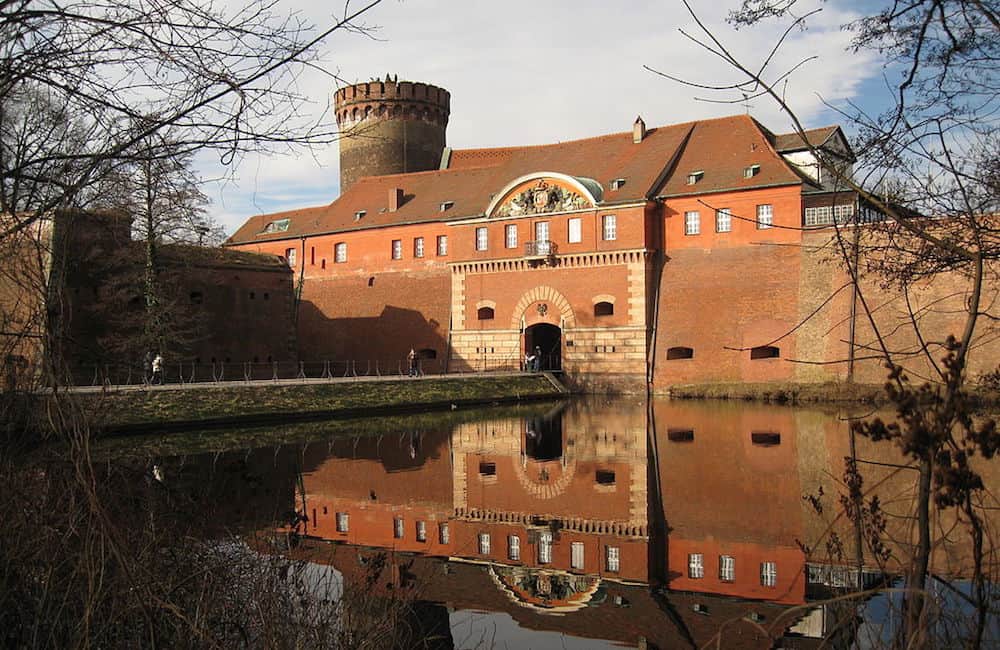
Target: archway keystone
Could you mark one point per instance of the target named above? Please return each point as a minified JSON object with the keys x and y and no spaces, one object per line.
{"x":555,"y":301}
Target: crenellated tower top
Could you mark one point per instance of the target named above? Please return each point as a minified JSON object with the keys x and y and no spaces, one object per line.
{"x":390,"y":127}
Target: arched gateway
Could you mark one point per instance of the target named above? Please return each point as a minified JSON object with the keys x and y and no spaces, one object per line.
{"x":541,"y":315}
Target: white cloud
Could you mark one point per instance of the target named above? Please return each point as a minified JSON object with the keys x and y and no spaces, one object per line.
{"x":525,"y":72}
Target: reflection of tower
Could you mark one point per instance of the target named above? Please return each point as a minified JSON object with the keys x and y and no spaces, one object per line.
{"x":390,"y":127}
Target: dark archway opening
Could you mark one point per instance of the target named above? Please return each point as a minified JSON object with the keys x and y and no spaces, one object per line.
{"x":547,"y":339}
{"x":543,"y":438}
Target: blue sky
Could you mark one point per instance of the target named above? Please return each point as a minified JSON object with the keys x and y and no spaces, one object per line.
{"x":523,"y":72}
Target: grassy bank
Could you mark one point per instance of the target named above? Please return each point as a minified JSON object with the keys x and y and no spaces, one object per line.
{"x":147,"y":410}
{"x":783,"y":393}
{"x":827,"y":393}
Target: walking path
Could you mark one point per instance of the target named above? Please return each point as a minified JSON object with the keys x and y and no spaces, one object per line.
{"x":299,"y":382}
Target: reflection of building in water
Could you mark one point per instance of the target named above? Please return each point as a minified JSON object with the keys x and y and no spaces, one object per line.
{"x":542,"y":493}
{"x":392,"y":491}
{"x":731,"y":496}
{"x":580,"y":505}
{"x":568,"y":495}
{"x":561,"y":514}
{"x":623,"y":613}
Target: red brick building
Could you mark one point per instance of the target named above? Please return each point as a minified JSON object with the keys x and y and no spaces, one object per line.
{"x":685,"y":253}
{"x":72,"y":292}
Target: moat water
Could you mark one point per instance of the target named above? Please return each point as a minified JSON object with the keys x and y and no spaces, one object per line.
{"x":587,"y":523}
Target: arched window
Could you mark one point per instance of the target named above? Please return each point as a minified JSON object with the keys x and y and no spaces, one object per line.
{"x":485,"y":313}
{"x":765,"y":352}
{"x":371,"y":281}
{"x":680,"y":353}
{"x":604,"y":309}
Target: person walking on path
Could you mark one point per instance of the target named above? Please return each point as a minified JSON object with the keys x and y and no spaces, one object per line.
{"x":538,"y":359}
{"x":413,"y":362}
{"x":158,"y":369}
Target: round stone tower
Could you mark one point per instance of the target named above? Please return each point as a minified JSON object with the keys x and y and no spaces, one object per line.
{"x":390,"y":127}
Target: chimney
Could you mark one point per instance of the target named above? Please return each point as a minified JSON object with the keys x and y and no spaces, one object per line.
{"x":638,"y":130}
{"x":395,"y":198}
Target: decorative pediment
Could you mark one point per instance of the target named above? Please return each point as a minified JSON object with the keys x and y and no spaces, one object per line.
{"x":543,"y":194}
{"x":548,"y":592}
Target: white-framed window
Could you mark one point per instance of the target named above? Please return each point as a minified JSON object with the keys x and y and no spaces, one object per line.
{"x":340,"y":252}
{"x":542,"y":231}
{"x":513,"y":547}
{"x":723,"y":220}
{"x":343,"y":522}
{"x":609,"y":227}
{"x":696,"y":565}
{"x":484,"y":543}
{"x":442,"y":242}
{"x":421,"y":531}
{"x":692,"y":222}
{"x":751,"y":171}
{"x":768,"y":574}
{"x":843,"y":212}
{"x":290,"y":255}
{"x":482,"y":239}
{"x":826,"y":214}
{"x":444,"y":535}
{"x":576,"y":555}
{"x":765,"y":216}
{"x":510,"y":235}
{"x":397,"y":249}
{"x":612,"y":558}
{"x":727,"y":568}
{"x":397,"y":528}
{"x":545,"y":548}
{"x":575,"y":230}
{"x":819,"y":216}
{"x":418,"y":247}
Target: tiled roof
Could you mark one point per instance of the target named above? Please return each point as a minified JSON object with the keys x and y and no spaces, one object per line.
{"x":723,"y":150}
{"x":794,"y":141}
{"x":721,"y":147}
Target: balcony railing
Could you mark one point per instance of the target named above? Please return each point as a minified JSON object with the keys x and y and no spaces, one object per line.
{"x":542,"y":248}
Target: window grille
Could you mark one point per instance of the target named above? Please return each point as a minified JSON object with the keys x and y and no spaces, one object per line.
{"x":692,"y":222}
{"x":696,"y":565}
{"x":723,"y":220}
{"x":727,"y":568}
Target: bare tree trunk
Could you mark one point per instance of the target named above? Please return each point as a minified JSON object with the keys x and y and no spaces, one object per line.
{"x":915,"y":601}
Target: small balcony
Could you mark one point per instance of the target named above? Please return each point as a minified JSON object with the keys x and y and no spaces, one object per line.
{"x":542,"y":250}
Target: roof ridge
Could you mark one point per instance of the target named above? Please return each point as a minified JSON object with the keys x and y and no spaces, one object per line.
{"x":597,"y":137}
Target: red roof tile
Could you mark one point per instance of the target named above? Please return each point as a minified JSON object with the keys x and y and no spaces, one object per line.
{"x":723,"y":150}
{"x":721,"y":147}
{"x":794,"y":141}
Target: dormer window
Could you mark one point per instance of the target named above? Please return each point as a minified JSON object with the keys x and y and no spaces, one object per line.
{"x":618,"y":183}
{"x":446,"y":205}
{"x":694,"y":177}
{"x":281,"y":225}
{"x":751,"y":171}
{"x":359,"y":215}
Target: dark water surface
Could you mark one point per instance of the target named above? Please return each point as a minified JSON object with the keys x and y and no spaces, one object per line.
{"x":590,"y":523}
